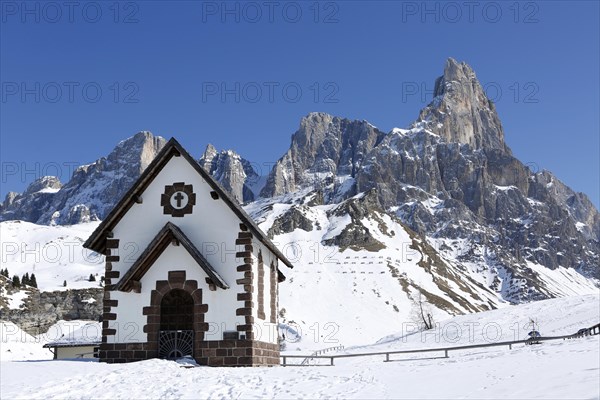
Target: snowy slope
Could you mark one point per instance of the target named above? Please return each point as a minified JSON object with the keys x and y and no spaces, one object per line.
{"x":341,"y":296}
{"x":17,"y":345}
{"x":553,"y":370}
{"x":332,"y":296}
{"x":552,"y":317}
{"x":53,"y":253}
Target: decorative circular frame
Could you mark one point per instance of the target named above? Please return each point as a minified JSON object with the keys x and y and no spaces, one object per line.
{"x":172,"y":190}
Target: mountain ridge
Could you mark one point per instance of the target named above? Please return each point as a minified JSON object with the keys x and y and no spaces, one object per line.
{"x":440,"y":209}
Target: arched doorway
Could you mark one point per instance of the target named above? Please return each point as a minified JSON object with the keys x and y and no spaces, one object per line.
{"x":176,"y":335}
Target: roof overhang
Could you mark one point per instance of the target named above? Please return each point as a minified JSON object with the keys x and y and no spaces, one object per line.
{"x":88,"y":344}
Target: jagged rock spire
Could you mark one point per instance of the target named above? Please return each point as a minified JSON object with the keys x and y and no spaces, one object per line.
{"x":235,"y":173}
{"x":461,"y":112}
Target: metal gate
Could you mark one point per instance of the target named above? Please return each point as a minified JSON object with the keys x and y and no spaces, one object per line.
{"x":175,"y":344}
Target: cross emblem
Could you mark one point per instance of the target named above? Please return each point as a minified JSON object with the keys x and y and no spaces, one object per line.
{"x":178,"y":199}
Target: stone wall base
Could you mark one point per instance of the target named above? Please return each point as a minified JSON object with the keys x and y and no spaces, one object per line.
{"x":215,"y":353}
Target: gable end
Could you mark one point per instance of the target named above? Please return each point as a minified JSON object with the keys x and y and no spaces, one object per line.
{"x":170,"y":233}
{"x":97,"y":240}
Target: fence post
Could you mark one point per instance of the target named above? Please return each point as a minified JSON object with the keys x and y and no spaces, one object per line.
{"x":446,"y":353}
{"x":284,"y":360}
{"x":331,"y":361}
{"x":387,"y":357}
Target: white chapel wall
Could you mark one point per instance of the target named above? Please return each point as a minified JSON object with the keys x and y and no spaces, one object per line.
{"x":212,"y":227}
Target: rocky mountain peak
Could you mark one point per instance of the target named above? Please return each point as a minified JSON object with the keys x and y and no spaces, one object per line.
{"x":209,"y":154}
{"x":31,"y":203}
{"x":235,"y":173}
{"x":454,"y":71}
{"x":449,"y":178}
{"x":461,"y":112}
{"x":47,"y":184}
{"x":324,"y":146}
{"x":139,"y":149}
{"x":92,"y":190}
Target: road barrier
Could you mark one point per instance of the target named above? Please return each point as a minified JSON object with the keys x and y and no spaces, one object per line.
{"x":594,"y":330}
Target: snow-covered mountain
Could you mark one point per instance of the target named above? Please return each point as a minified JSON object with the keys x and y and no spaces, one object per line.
{"x":91,"y":192}
{"x":373,"y":221}
{"x":451,"y":178}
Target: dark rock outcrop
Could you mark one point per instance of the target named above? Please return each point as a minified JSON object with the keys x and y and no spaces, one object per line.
{"x":292,"y":219}
{"x":40,"y":310}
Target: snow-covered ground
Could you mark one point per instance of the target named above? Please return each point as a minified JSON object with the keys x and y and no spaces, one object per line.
{"x":18,"y":345}
{"x":559,"y":369}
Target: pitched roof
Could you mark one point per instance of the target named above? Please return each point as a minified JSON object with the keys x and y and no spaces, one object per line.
{"x":156,"y":247}
{"x":89,"y":334}
{"x":97,"y":240}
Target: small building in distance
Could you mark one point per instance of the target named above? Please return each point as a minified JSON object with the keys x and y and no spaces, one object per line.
{"x":81,"y":343}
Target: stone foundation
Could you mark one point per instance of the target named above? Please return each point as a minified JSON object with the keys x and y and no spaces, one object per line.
{"x":126,"y":352}
{"x":214,"y":353}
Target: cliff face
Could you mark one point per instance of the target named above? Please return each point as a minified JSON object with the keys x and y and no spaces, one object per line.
{"x":323,"y":146}
{"x":40,"y":310}
{"x":234,"y":173}
{"x":460,"y":112}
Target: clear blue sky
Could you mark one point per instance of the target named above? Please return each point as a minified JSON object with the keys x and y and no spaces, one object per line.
{"x":161,"y":66}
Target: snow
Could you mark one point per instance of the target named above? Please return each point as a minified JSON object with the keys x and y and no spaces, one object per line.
{"x":534,"y":203}
{"x":399,"y":131}
{"x":356,"y":289}
{"x":554,"y":317}
{"x":17,"y":345}
{"x":556,"y":370}
{"x":346,"y":183}
{"x":359,"y":289}
{"x":16,"y":299}
{"x":53,"y":253}
{"x":563,"y":281}
{"x":74,"y":332}
{"x":49,"y":190}
{"x":505,"y":188}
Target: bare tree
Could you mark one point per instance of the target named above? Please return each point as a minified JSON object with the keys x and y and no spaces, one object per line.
{"x":421,"y":312}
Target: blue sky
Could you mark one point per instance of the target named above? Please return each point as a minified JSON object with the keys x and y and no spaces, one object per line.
{"x":240,"y":75}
